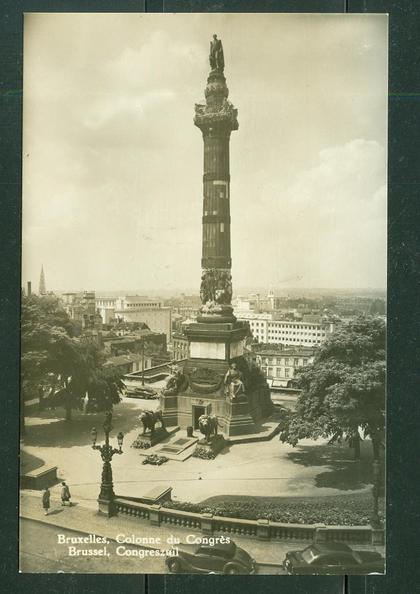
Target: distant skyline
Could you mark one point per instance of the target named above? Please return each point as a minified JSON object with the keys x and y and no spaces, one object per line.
{"x":241,"y":292}
{"x":112,"y":163}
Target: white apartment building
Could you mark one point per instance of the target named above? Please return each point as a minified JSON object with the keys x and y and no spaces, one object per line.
{"x":257,"y":322}
{"x":289,"y":333}
{"x":279,"y":366}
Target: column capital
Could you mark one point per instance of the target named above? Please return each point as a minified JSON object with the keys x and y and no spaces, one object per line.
{"x":217,"y":121}
{"x":217,"y":114}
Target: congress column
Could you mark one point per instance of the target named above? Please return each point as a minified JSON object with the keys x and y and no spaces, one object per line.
{"x":216,"y":120}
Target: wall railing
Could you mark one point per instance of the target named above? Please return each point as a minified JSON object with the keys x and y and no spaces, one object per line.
{"x":261,"y":529}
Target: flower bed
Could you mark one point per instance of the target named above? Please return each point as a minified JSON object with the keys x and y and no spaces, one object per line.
{"x":204,"y":453}
{"x":155,"y":460}
{"x":346,"y":510}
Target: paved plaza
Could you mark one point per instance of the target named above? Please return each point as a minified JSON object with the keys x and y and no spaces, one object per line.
{"x":268,"y":468}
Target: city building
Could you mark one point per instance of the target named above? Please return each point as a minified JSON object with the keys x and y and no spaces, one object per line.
{"x":280,"y":364}
{"x":106,"y":309}
{"x":308,"y":332}
{"x":256,"y":302}
{"x":135,"y":342}
{"x":81,"y":308}
{"x":184,"y":306}
{"x":135,"y":308}
{"x":180,"y":346}
{"x":129,"y":363}
{"x":257,"y":323}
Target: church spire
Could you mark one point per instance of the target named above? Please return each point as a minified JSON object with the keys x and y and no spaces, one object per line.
{"x":42,"y":287}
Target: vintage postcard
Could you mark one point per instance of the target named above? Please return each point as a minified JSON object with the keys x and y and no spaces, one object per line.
{"x":204,"y":294}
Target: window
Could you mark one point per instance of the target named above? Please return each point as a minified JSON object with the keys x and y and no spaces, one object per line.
{"x":296,"y":362}
{"x":222,"y":227}
{"x":205,"y":551}
{"x":308,"y":555}
{"x":286,"y":372}
{"x":334,"y":559}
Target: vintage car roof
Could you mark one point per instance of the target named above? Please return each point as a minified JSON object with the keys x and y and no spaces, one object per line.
{"x":331,"y":547}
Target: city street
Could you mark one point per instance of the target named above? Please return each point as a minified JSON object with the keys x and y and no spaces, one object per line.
{"x":41,"y":553}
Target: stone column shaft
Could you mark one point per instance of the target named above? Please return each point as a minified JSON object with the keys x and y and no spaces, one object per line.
{"x":216,"y":120}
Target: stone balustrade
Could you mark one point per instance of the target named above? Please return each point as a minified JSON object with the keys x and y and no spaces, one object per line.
{"x":261,"y":529}
{"x":131,"y":508}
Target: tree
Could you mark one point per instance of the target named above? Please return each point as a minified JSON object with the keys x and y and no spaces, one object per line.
{"x":343,"y":391}
{"x":104,"y":389}
{"x":52,"y":358}
{"x":377,"y":307}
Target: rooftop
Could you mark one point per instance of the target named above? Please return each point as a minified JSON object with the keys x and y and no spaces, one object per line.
{"x":288,"y":350}
{"x":122,"y":359}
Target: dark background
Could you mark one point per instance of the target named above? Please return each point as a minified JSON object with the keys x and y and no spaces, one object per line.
{"x":403,"y":476}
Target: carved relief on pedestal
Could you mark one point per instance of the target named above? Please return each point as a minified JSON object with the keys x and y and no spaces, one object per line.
{"x":205,"y":380}
{"x":216,"y":286}
{"x":216,"y":291}
{"x":177,"y":382}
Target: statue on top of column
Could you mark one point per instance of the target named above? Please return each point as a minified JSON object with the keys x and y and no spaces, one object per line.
{"x":217,"y":60}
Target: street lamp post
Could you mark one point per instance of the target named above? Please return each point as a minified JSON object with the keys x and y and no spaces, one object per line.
{"x":142,"y":362}
{"x":107,"y":495}
{"x":375,"y":521}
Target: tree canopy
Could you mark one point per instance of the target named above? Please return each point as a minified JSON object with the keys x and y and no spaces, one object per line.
{"x":343,"y":390}
{"x":53,"y":358}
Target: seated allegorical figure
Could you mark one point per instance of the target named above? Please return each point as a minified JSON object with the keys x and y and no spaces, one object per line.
{"x":234,"y":386}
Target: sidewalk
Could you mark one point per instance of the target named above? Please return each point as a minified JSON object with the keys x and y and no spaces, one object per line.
{"x":88,"y":521}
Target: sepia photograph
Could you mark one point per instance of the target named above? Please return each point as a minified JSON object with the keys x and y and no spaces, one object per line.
{"x":203,"y":307}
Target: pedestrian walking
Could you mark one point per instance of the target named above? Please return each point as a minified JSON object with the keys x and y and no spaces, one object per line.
{"x":46,"y":500}
{"x":65,"y":494}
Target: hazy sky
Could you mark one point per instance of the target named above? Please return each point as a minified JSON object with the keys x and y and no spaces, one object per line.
{"x":113,"y":163}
